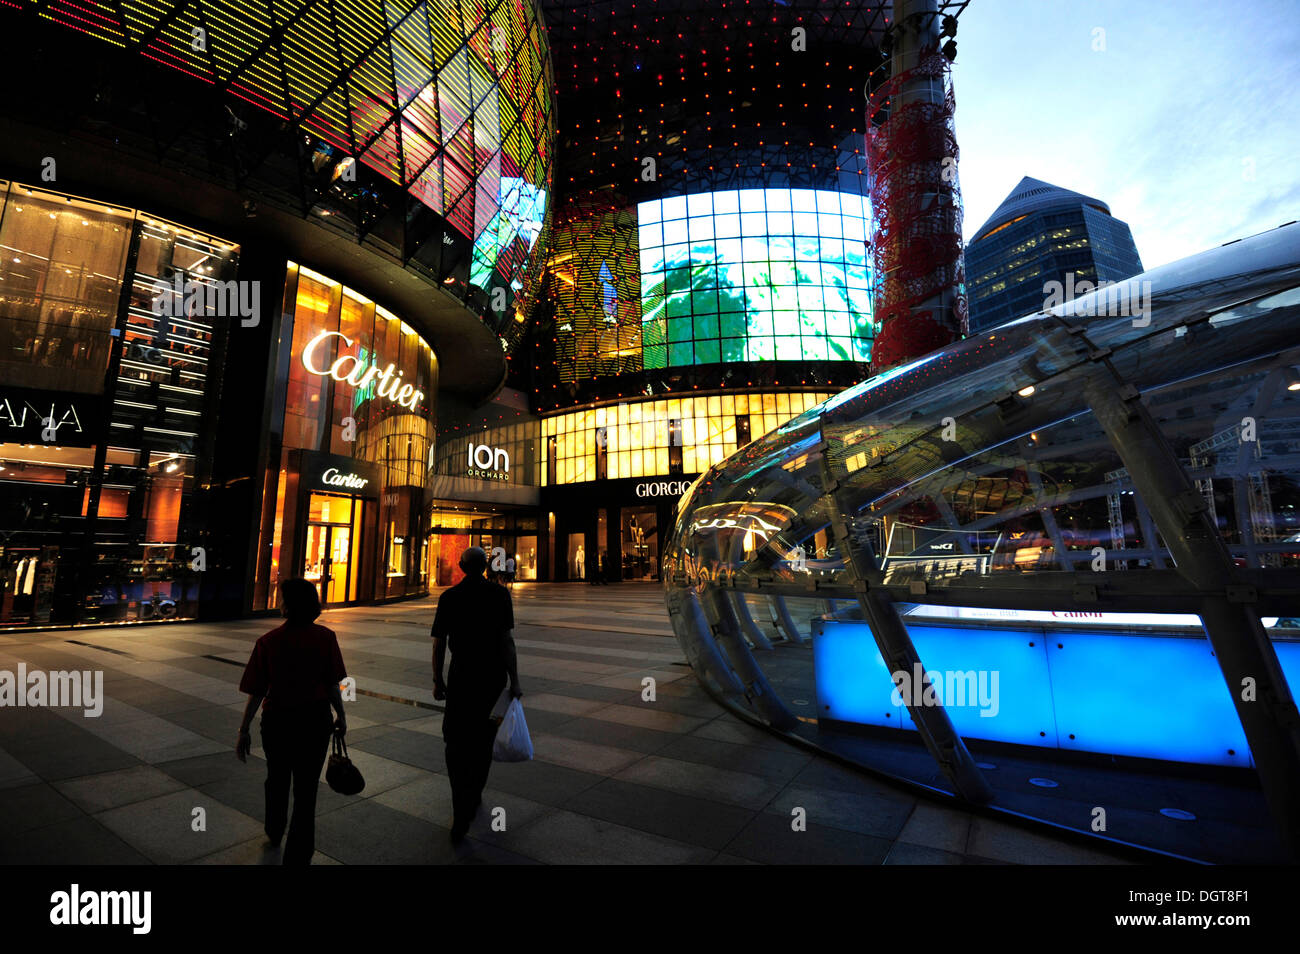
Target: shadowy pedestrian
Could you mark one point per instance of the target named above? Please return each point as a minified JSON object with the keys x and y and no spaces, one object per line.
{"x":294,"y":674}
{"x":474,"y":620}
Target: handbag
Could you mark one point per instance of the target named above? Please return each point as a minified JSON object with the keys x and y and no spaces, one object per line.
{"x":342,"y":776}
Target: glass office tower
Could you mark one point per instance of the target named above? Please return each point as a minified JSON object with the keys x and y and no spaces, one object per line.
{"x":1040,"y":234}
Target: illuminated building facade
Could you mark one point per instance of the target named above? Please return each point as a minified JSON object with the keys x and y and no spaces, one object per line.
{"x":708,"y":273}
{"x":372,"y":182}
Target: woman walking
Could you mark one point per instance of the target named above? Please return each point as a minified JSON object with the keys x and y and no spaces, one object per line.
{"x":294,"y":675}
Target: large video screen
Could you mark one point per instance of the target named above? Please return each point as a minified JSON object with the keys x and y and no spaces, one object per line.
{"x":755,"y":275}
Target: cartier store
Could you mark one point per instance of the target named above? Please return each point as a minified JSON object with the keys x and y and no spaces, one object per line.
{"x":352,"y":422}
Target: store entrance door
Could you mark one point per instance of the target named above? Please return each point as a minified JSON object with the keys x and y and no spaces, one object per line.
{"x":330,"y":559}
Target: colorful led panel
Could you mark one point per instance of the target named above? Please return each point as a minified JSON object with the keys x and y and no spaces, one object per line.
{"x":755,"y":275}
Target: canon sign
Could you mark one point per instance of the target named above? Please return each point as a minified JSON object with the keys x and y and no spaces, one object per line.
{"x":662,"y":488}
{"x":333,"y":478}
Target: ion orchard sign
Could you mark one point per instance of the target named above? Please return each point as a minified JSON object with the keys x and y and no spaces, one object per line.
{"x":489,"y":463}
{"x":388,"y":385}
{"x":333,"y":478}
{"x":662,"y":488}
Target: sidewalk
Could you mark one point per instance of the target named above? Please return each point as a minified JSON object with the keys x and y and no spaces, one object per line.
{"x":616,"y":779}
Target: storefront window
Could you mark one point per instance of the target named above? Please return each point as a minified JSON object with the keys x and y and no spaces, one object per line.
{"x":361,"y":388}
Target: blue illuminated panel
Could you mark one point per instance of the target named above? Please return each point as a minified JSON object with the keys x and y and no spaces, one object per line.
{"x":1160,"y":697}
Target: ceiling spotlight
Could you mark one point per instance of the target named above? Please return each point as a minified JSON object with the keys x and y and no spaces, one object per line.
{"x":1027,"y":390}
{"x":1292,"y":379}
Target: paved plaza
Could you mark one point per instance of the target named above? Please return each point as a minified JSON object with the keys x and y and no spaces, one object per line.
{"x":616,"y":779}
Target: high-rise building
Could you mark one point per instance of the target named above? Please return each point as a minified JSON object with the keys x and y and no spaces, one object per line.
{"x":1042,"y":233}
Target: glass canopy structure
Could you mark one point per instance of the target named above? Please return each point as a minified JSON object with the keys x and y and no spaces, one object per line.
{"x":1076,"y":532}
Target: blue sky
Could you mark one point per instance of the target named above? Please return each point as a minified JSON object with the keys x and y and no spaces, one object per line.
{"x":1187,"y":124}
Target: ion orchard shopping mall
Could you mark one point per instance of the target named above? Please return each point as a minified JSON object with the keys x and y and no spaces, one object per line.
{"x":337,"y":289}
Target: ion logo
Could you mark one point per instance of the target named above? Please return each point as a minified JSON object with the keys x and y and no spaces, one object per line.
{"x":490,"y":463}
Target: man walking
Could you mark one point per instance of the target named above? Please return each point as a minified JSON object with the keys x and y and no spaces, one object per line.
{"x":474,"y":618}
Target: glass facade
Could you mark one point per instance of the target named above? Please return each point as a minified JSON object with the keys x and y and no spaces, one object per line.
{"x":1038,"y":236}
{"x":660,"y":437}
{"x":424,"y":130}
{"x":109,"y":377}
{"x":1105,"y":511}
{"x":344,"y":486}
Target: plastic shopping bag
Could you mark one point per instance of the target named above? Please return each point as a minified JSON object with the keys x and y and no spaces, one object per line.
{"x":513,"y":743}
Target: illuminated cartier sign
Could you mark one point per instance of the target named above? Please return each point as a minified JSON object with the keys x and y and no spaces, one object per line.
{"x":333,"y":478}
{"x":348,"y":367}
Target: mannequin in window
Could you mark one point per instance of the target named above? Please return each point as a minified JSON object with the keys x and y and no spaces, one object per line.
{"x":580,"y":562}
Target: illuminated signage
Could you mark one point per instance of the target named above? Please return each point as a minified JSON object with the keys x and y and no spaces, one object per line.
{"x":333,"y":478}
{"x":44,"y":417}
{"x":489,"y":463}
{"x":662,"y":488}
{"x":349,"y":368}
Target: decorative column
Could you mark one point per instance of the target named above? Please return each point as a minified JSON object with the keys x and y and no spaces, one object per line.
{"x":916,"y":247}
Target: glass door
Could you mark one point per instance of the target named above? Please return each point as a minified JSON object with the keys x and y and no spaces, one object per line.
{"x":329,"y":560}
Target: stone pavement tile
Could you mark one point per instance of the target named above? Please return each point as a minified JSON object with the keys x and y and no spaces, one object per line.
{"x":881,"y":812}
{"x":542,"y":720}
{"x":220,"y":723}
{"x":401,"y":745}
{"x":704,"y":781}
{"x":540,"y":781}
{"x":381,"y":773}
{"x":823,"y":773}
{"x":564,"y":837}
{"x":245,"y":791}
{"x":612,"y":733}
{"x":1003,"y":842}
{"x":579,"y":690}
{"x":69,"y":756}
{"x":14,"y":772}
{"x":937,"y":826}
{"x":697,"y":705}
{"x":160,"y":828}
{"x":770,"y":763}
{"x":204,"y":769}
{"x":586,"y":756}
{"x":95,"y":793}
{"x":77,"y":841}
{"x":903,"y":853}
{"x":255,"y":851}
{"x":429,"y":799}
{"x":727,"y":728}
{"x":648,"y":718}
{"x":480,"y":853}
{"x":429,"y":724}
{"x":369,"y":833}
{"x":771,"y":839}
{"x":567,"y":705}
{"x":633,"y":680}
{"x":695,"y":821}
{"x":34,"y":806}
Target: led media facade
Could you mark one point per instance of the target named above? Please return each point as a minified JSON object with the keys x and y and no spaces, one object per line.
{"x":754,"y":275}
{"x":450,"y":100}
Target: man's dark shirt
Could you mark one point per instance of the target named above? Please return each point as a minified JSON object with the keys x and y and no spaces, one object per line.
{"x":474,"y":617}
{"x":293,"y":666}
